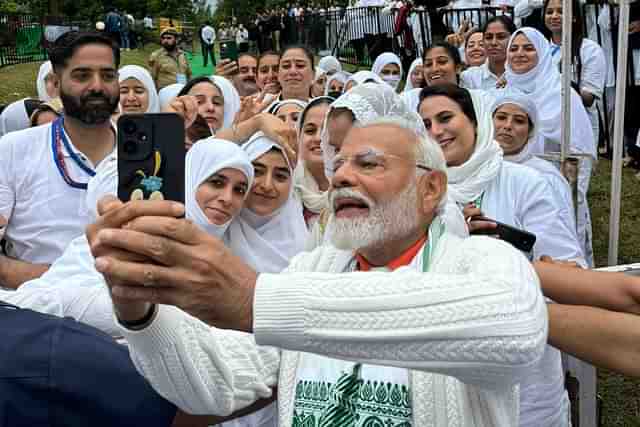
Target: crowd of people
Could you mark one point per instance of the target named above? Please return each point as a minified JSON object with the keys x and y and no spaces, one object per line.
{"x":329,"y":264}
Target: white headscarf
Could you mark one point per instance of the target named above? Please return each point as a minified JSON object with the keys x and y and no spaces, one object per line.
{"x":340,"y":76}
{"x":362,"y":76}
{"x":409,"y":84}
{"x":14,"y":117}
{"x":267,"y":243}
{"x":168,"y":94}
{"x":468,"y":181}
{"x":382,"y":61}
{"x":143,"y":76}
{"x":330,"y":63}
{"x":275,"y":107}
{"x":204,"y":159}
{"x":369,"y":102}
{"x":524,"y":102}
{"x":543,"y":85}
{"x":306,"y":187}
{"x":45,"y":69}
{"x":231,"y":100}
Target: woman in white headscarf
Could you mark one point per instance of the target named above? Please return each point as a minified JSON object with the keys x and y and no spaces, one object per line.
{"x":486,"y":186}
{"x":138,"y":92}
{"x":311,"y":183}
{"x":515,"y":120}
{"x":17,"y":115}
{"x":168,"y":94}
{"x":415,"y":78}
{"x":335,"y":84}
{"x":362,"y":77}
{"x":535,"y":74}
{"x":288,"y":110}
{"x":47,"y":83}
{"x":388,"y":67}
{"x":330,"y":65}
{"x":270,"y":229}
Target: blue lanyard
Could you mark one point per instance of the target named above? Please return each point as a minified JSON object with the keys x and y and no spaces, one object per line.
{"x":57,"y":137}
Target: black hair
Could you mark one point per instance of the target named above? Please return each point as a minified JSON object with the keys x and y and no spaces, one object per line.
{"x":506,"y":22}
{"x":459,"y":95}
{"x":306,"y":51}
{"x":321,"y":100}
{"x":31,"y":105}
{"x":474,"y":31}
{"x":577,"y":35}
{"x":68,"y":43}
{"x":452,"y":51}
{"x":268,"y":53}
{"x":197,"y":80}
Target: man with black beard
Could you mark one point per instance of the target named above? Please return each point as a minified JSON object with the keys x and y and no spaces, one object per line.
{"x":169,"y":65}
{"x":44,"y":170}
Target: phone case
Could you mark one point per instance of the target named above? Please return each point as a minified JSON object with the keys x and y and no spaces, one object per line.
{"x":229,"y":50}
{"x":519,"y":239}
{"x":151,"y":157}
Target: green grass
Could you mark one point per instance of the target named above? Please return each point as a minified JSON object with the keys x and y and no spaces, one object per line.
{"x":621,"y":395}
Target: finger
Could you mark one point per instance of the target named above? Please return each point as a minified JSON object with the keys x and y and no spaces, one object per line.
{"x":139,"y":274}
{"x":485,"y":226}
{"x":180,"y":230}
{"x":108,"y":203}
{"x":146,"y":294}
{"x":99,"y":249}
{"x":116,"y":218}
{"x":546,"y":258}
{"x":157,"y":248}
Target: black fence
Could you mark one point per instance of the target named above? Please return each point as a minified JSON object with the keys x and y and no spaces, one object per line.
{"x":25,"y":38}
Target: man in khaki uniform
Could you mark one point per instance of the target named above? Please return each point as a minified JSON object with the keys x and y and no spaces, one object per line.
{"x":168,"y":64}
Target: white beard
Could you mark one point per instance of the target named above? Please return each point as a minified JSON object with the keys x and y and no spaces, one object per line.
{"x":387,"y":221}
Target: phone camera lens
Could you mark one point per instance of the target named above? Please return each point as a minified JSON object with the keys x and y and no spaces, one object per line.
{"x":142,"y":137}
{"x":129,"y":127}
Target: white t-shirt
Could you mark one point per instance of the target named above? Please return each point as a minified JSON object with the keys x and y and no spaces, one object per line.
{"x":208,"y":34}
{"x":478,"y":78}
{"x":44,"y":213}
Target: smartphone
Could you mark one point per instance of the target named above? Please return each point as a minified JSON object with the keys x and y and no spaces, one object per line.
{"x":519,"y":239}
{"x":229,"y":50}
{"x":151,"y":157}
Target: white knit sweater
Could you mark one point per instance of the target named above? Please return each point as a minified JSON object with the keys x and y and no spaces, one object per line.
{"x":478,"y":318}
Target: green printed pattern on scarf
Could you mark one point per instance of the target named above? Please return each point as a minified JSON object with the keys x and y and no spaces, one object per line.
{"x":351,"y":402}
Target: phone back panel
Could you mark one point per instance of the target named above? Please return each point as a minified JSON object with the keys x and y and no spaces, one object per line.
{"x":151,"y":156}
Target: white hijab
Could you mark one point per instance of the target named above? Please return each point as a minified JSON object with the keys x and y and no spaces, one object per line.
{"x":206,"y":158}
{"x":362,"y":76}
{"x":231,"y":100}
{"x":382,"y":61}
{"x":306,"y":187}
{"x":168,"y":94}
{"x":409,"y":84}
{"x":330,"y":63}
{"x":468,"y":181}
{"x":267,"y":243}
{"x":370,"y":102}
{"x":143,"y":76}
{"x":275,"y":107}
{"x":45,"y":69}
{"x":543,"y":85}
{"x":14,"y":117}
{"x":342,"y":77}
{"x":529,"y":107}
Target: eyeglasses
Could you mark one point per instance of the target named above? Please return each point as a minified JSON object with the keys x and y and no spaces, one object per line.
{"x":370,"y":162}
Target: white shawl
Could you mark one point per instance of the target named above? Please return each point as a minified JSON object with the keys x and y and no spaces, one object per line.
{"x":45,"y":69}
{"x":231,"y":100}
{"x":168,"y":94}
{"x":468,"y":181}
{"x":543,"y":85}
{"x":409,"y":84}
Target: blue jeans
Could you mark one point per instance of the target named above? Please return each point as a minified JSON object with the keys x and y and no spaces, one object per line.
{"x":124,"y":40}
